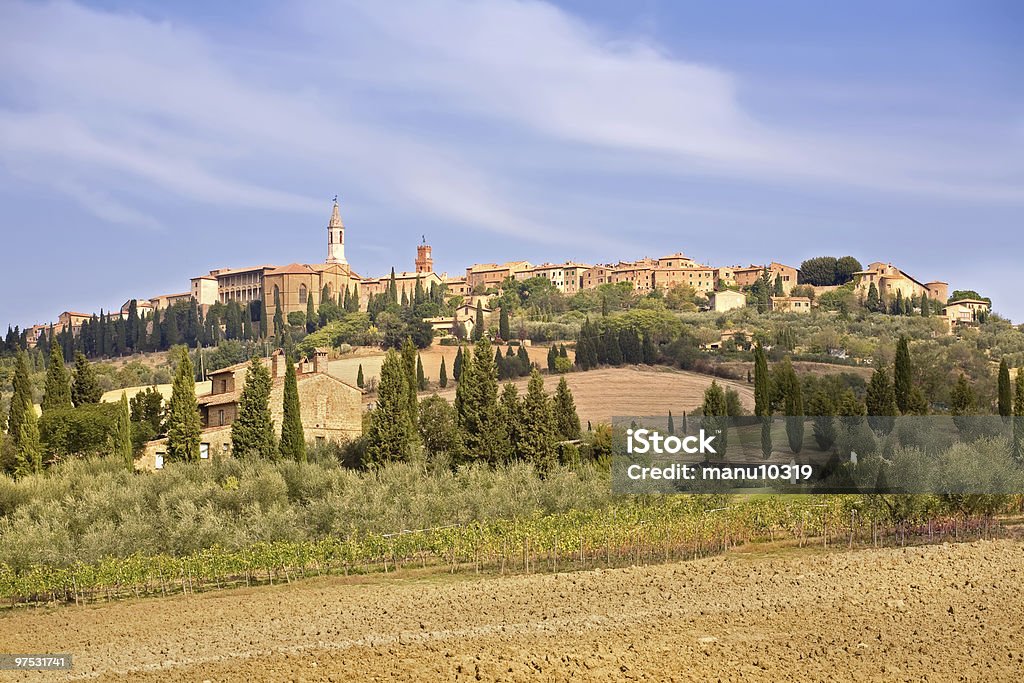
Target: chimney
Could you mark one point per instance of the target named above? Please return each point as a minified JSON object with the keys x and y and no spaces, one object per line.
{"x":320,"y":360}
{"x":278,"y":364}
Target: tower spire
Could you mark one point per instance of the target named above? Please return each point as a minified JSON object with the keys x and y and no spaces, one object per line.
{"x":336,"y":236}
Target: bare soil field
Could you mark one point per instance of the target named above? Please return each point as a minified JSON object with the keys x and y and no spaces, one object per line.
{"x":937,"y":613}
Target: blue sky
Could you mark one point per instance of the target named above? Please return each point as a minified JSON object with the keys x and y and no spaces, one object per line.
{"x":144,"y":143}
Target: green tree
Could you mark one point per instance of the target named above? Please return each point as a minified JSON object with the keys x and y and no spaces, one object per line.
{"x":846,"y":267}
{"x":763,"y":399}
{"x":503,"y":330}
{"x":536,"y":443}
{"x":511,"y":411}
{"x":478,"y":327}
{"x":421,"y":378}
{"x":122,"y":437}
{"x":311,"y":316}
{"x":1005,"y":392}
{"x":819,"y":271}
{"x":21,"y":399}
{"x":671,"y":423}
{"x":873,"y":302}
{"x":390,"y":433}
{"x":252,"y":432}
{"x":28,"y":449}
{"x":779,"y":290}
{"x":476,"y":402}
{"x":57,"y":390}
{"x":1018,"y":420}
{"x":794,"y":408}
{"x":438,"y":427}
{"x":716,"y":410}
{"x":567,"y":421}
{"x":902,"y":376}
{"x":183,"y":424}
{"x":360,"y":382}
{"x":881,"y":402}
{"x":85,"y":388}
{"x":409,"y":357}
{"x":293,"y":438}
{"x":442,"y":375}
{"x":457,"y":365}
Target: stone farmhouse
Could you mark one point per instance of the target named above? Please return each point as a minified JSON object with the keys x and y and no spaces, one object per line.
{"x":331,"y":409}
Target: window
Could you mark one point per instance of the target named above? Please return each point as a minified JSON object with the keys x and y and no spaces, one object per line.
{"x":320,"y":441}
{"x":158,"y":461}
{"x":223,"y":386}
{"x":220,"y":416}
{"x":303,"y":294}
{"x":204,"y":451}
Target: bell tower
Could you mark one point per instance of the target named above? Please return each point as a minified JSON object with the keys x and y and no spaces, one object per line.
{"x":336,"y":236}
{"x":424,"y":262}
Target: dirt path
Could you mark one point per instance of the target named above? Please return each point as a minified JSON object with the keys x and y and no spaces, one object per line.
{"x":941,"y":612}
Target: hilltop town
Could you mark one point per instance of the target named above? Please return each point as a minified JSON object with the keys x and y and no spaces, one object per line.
{"x":275,"y":291}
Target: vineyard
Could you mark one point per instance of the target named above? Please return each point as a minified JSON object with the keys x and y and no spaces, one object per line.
{"x":644,"y":532}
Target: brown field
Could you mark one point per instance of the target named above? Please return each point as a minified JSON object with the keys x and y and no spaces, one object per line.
{"x":637,"y":390}
{"x":599,"y":394}
{"x":937,"y":613}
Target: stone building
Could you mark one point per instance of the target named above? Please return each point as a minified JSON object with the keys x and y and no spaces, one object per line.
{"x":727,"y":300}
{"x":482,"y":276}
{"x":331,"y":409}
{"x":566,"y":277}
{"x":744,"y":276}
{"x":888,"y":279}
{"x":791,"y":304}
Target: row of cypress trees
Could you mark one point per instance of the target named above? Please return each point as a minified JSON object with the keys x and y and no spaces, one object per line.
{"x":489,"y":427}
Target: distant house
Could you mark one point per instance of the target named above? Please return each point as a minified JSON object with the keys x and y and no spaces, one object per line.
{"x":888,"y":279}
{"x":331,"y":409}
{"x":727,"y":300}
{"x":964,"y":311}
{"x":465,"y":314}
{"x":743,"y":340}
{"x":791,"y":304}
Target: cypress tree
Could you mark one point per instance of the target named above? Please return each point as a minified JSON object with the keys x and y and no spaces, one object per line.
{"x":902,"y":378}
{"x":1005,"y":391}
{"x":390,"y":433}
{"x":476,"y":403}
{"x":552,"y":355}
{"x":763,"y":399}
{"x":442,"y":375}
{"x":715,"y":411}
{"x":926,"y":308}
{"x":393,"y":287}
{"x":57,"y":390}
{"x":360,"y":382}
{"x":252,"y":432}
{"x":84,"y":388}
{"x":478,"y":327}
{"x":183,"y":424}
{"x":612,"y":349}
{"x":503,"y":330}
{"x":457,"y":366}
{"x":511,"y":413}
{"x":650,"y":354}
{"x":421,"y":379}
{"x":567,"y":421}
{"x":1018,"y":420}
{"x":671,"y":424}
{"x":762,"y":384}
{"x":263,"y":319}
{"x":881,"y":402}
{"x":872,"y":303}
{"x":123,"y":434}
{"x":293,"y":440}
{"x":28,"y":449}
{"x":779,"y":291}
{"x":21,"y":400}
{"x":794,"y":413}
{"x":409,"y":357}
{"x":353,"y":299}
{"x":524,"y":361}
{"x":536,"y":445}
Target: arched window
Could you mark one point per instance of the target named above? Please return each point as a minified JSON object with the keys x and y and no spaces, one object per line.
{"x":303,"y":294}
{"x":277,"y":295}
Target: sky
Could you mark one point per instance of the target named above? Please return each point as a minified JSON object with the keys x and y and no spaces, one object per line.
{"x":145,"y":143}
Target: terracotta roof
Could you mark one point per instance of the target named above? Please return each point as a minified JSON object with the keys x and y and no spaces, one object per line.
{"x":292,"y":269}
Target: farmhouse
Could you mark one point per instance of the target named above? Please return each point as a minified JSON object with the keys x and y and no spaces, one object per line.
{"x":791,"y":304}
{"x":331,"y":409}
{"x":727,"y":300}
